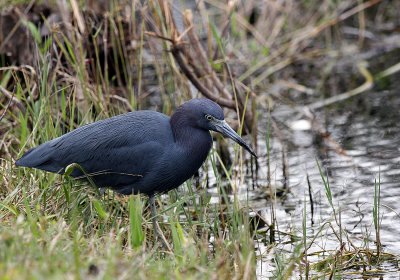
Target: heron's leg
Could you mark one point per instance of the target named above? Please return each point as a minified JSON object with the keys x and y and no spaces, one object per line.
{"x":157,"y":230}
{"x":152,"y":200}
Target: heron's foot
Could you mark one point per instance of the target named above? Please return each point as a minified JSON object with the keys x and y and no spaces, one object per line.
{"x":158,"y":234}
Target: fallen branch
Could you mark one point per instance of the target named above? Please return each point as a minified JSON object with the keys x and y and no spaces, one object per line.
{"x":195,"y":64}
{"x":369,"y":82}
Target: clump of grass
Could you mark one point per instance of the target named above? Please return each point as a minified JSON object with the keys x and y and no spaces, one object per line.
{"x":52,"y":228}
{"x":347,"y":259}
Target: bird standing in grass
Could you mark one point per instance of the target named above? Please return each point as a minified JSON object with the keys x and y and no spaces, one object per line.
{"x":137,"y":152}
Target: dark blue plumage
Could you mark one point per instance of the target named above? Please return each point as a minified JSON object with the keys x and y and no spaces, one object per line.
{"x":138,"y":152}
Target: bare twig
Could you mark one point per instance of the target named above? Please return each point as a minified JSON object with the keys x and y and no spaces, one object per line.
{"x":8,"y":104}
{"x":12,"y":98}
{"x":194,"y":62}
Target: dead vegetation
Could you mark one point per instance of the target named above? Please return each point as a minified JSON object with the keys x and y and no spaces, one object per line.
{"x":62,"y":64}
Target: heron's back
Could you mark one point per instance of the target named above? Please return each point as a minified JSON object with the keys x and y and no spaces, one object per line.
{"x":111,"y":148}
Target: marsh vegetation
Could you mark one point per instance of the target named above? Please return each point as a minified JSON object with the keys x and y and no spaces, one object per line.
{"x":313,"y":85}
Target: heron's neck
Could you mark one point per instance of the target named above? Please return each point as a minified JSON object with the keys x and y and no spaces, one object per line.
{"x":188,"y":137}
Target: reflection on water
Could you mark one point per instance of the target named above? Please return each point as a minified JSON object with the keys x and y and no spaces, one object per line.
{"x":370,"y":137}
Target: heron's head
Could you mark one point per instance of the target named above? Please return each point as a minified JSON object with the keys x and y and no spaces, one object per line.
{"x":208,"y":115}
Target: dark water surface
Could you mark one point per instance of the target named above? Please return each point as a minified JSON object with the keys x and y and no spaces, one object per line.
{"x":368,"y":131}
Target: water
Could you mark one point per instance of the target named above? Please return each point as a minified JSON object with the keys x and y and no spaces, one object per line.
{"x":364,"y":149}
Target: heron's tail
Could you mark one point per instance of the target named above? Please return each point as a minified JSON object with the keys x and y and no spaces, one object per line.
{"x":40,"y":158}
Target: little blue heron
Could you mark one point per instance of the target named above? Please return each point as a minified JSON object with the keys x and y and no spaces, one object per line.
{"x":137,"y":152}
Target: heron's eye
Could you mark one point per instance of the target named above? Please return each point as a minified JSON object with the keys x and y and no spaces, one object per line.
{"x":209,"y":117}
